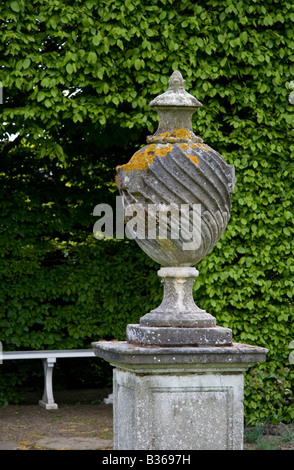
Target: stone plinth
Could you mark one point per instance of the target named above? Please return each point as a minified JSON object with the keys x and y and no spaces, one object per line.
{"x":178,"y":398}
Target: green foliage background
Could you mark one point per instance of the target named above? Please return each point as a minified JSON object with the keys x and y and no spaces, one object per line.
{"x":77,"y":79}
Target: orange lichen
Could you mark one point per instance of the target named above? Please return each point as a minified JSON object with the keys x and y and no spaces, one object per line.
{"x":145,"y":156}
{"x":204,"y":147}
{"x":163,"y":136}
{"x":194,"y":146}
{"x":181,"y":134}
{"x":193,"y":158}
{"x":177,"y":135}
{"x":184,"y":146}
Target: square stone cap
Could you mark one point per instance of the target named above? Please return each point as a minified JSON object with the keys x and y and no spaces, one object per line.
{"x":122,"y":352}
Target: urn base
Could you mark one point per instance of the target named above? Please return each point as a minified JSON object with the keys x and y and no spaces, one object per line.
{"x":164,"y":337}
{"x":199,"y":319}
{"x":178,"y":321}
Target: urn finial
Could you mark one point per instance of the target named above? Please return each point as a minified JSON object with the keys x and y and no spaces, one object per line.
{"x":176,"y":80}
{"x":176,"y":95}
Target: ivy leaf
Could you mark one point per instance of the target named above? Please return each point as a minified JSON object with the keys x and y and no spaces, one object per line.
{"x":26,"y":63}
{"x":92,"y":58}
{"x":40,"y":96}
{"x":69,"y":68}
{"x":137,"y":64}
{"x":15,"y":6}
{"x":97,"y":39}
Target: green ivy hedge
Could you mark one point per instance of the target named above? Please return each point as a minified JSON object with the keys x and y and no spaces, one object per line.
{"x":60,"y":287}
{"x":77,"y":78}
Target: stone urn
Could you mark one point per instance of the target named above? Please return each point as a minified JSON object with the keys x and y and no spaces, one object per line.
{"x":183,"y":189}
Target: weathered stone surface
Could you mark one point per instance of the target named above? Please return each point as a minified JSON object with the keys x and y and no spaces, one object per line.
{"x":177,"y":168}
{"x":163,"y":336}
{"x":178,"y":412}
{"x":174,"y":170}
{"x":178,"y":308}
{"x":125,"y":355}
{"x":176,"y":95}
{"x":178,"y":398}
{"x":180,"y":175}
{"x":178,"y":321}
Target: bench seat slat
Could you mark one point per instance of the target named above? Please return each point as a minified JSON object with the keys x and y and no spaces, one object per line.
{"x":47,"y":354}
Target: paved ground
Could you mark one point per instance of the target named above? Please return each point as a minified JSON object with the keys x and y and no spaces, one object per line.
{"x":81,"y":422}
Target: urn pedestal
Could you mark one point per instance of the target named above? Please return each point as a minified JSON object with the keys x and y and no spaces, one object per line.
{"x":178,"y":398}
{"x":178,"y":379}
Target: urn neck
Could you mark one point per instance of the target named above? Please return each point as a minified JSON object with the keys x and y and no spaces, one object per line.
{"x":175,"y":109}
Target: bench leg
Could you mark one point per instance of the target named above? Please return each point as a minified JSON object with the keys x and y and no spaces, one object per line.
{"x":47,"y":401}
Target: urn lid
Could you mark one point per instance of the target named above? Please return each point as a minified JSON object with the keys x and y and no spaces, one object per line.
{"x":176,"y":95}
{"x":175,"y":108}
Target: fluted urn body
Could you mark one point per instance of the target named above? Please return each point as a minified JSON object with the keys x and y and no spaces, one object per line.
{"x":182,"y":184}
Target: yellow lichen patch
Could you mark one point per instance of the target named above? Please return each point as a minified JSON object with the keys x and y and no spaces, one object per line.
{"x":177,"y":135}
{"x":184,"y":146}
{"x":163,"y":136}
{"x":200,"y":146}
{"x":204,"y":147}
{"x":181,"y":134}
{"x":192,"y":157}
{"x":145,"y":156}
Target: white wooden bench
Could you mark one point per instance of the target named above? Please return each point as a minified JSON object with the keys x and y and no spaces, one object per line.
{"x":49,"y":359}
